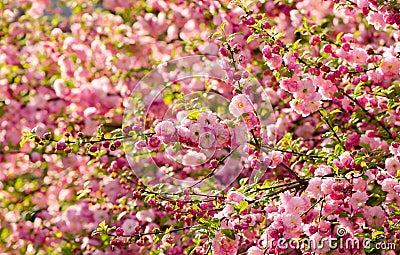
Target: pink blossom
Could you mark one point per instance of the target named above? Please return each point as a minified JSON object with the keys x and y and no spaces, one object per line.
{"x":276,"y":157}
{"x":289,"y":84}
{"x":314,"y":187}
{"x":292,"y":221}
{"x":235,"y":197}
{"x":207,"y":140}
{"x":392,"y":166}
{"x":195,"y":132}
{"x":223,"y":245}
{"x":146,"y":215}
{"x":358,"y":198}
{"x":389,"y":184}
{"x":305,"y":89}
{"x":254,"y":250}
{"x":375,"y":215}
{"x":154,"y":143}
{"x":376,"y":19}
{"x":345,"y":159}
{"x":193,"y":158}
{"x":206,"y":119}
{"x":240,"y":104}
{"x":165,"y":128}
{"x":390,"y":66}
{"x":275,"y":62}
{"x":359,"y":56}
{"x":101,"y":215}
{"x":129,"y":226}
{"x":222,"y":135}
{"x":362,"y":3}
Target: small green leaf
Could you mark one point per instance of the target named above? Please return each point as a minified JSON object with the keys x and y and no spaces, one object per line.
{"x":177,"y":147}
{"x":229,"y":233}
{"x":193,"y":114}
{"x":377,"y":233}
{"x":242,"y":206}
{"x":102,"y":225}
{"x":222,"y":27}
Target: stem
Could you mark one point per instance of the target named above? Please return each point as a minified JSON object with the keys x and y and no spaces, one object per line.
{"x":154,"y":232}
{"x":309,"y":209}
{"x":331,"y":128}
{"x":293,"y":152}
{"x":214,"y":169}
{"x":367,"y":112}
{"x":292,"y":172}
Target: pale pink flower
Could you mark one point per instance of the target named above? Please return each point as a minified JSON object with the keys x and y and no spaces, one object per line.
{"x":362,"y":3}
{"x":235,"y":197}
{"x":254,"y":250}
{"x":314,"y":187}
{"x":146,"y":215}
{"x":326,"y":186}
{"x":239,"y":135}
{"x":222,"y":135}
{"x":165,"y":128}
{"x":223,"y":245}
{"x":289,"y":84}
{"x":389,"y":184}
{"x":193,"y":158}
{"x":195,"y":131}
{"x":296,"y":205}
{"x":390,"y":66}
{"x":392,"y":166}
{"x":305,"y":106}
{"x":375,"y":215}
{"x":376,"y":19}
{"x":101,"y":215}
{"x":275,"y":62}
{"x":276,"y":157}
{"x":240,"y":104}
{"x":359,"y":56}
{"x":305,"y":89}
{"x":129,"y":226}
{"x":206,"y":119}
{"x":292,"y":221}
{"x":358,"y":198}
{"x":322,"y":170}
{"x":207,"y":140}
{"x":359,"y":184}
{"x":61,"y":88}
{"x":346,"y":159}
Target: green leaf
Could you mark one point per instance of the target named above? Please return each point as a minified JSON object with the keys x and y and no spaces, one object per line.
{"x":251,"y":38}
{"x":177,"y":147}
{"x":193,"y":114}
{"x":214,"y":34}
{"x":242,"y":206}
{"x":102,"y":226}
{"x":222,"y":27}
{"x":296,"y":44}
{"x":229,"y":233}
{"x":338,"y":36}
{"x":377,"y":233}
{"x":375,"y":200}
